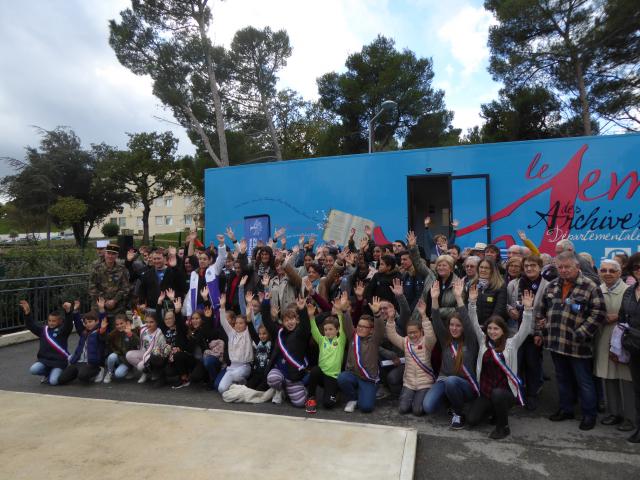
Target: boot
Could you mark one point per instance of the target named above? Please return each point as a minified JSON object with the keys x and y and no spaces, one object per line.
{"x":635,"y":438}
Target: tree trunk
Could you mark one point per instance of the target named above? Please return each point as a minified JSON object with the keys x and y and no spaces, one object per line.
{"x":584,"y":102}
{"x":213,"y":83}
{"x":203,"y":135}
{"x":272,"y":128}
{"x":146,"y":210}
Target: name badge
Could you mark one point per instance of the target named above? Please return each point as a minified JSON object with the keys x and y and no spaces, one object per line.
{"x":490,"y":299}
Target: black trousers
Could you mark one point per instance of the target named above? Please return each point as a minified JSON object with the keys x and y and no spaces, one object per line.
{"x":329,"y":387}
{"x":258,"y":380}
{"x":634,"y":366}
{"x":499,"y":405}
{"x":182,"y":365}
{"x":82,"y":371}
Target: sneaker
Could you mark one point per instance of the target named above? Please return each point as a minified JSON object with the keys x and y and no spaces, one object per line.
{"x":184,"y":384}
{"x":100,"y":376}
{"x":45,"y":380}
{"x":626,"y":426}
{"x":457,"y":422}
{"x":350,"y":406}
{"x":107,"y":377}
{"x":311,"y":406}
{"x":500,"y":432}
{"x":560,"y":416}
{"x":382,"y":392}
{"x":587,"y":423}
{"x":277,"y":397}
{"x":143,"y":378}
{"x":612,"y":420}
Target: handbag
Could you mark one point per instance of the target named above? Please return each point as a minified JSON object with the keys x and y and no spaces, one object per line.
{"x":631,"y":340}
{"x":615,"y":346}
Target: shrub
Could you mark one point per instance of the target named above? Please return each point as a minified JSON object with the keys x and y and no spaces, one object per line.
{"x":110,"y":230}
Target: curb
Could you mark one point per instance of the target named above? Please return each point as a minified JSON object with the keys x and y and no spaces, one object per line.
{"x":17,"y":337}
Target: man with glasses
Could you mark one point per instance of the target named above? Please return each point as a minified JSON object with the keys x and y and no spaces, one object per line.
{"x":574,"y":310}
{"x":530,"y":352}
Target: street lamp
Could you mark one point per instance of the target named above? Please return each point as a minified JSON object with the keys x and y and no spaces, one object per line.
{"x":386,"y":105}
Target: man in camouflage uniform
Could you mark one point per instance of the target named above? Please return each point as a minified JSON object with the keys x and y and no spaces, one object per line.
{"x":110,"y":280}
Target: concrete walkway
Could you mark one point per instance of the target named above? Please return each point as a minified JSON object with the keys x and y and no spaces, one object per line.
{"x":56,"y":437}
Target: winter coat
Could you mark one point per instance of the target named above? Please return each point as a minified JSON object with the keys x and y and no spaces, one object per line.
{"x":52,"y":356}
{"x":603,"y":367}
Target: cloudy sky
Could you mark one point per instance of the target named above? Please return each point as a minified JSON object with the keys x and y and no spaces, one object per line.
{"x":58,"y":69}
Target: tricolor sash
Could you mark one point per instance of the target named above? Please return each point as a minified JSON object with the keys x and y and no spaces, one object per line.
{"x":465,"y":371}
{"x":359,"y":364}
{"x":193,"y":293}
{"x":425,"y":368}
{"x":287,"y":356}
{"x":499,"y":359}
{"x":213,"y":285}
{"x":147,"y":353}
{"x":54,"y":345}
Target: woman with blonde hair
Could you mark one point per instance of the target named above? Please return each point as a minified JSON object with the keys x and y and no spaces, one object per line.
{"x":492,"y":292}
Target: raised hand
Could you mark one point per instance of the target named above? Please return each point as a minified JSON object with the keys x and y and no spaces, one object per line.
{"x":265,"y":280}
{"x":473,"y":293}
{"x":248,"y":298}
{"x":275,"y":311}
{"x":312,"y":241}
{"x":411,"y":239}
{"x":522,"y":235}
{"x":76,"y":305}
{"x":301,"y":240}
{"x":455,"y":223}
{"x":344,"y":302}
{"x":458,"y":287}
{"x":427,"y":221}
{"x":367,"y":230}
{"x":422,"y":308}
{"x":177,"y":304}
{"x":311,"y":310}
{"x":223,"y":302}
{"x":242,"y":246}
{"x":230,"y":234}
{"x":208,"y":312}
{"x":26,"y":308}
{"x":352,"y":233}
{"x":435,"y":290}
{"x":101,"y":303}
{"x":66,"y":305}
{"x":261,"y":297}
{"x":527,"y":299}
{"x":308,"y":286}
{"x":364,"y":243}
{"x":172,"y":260}
{"x":301,"y":302}
{"x":375,"y":305}
{"x":171,"y":294}
{"x":204,"y":293}
{"x":280,"y":232}
{"x":397,"y":287}
{"x":163,"y":295}
{"x":131,"y":255}
{"x":359,"y":290}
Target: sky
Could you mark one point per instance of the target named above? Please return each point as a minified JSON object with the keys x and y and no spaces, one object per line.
{"x":57,"y":67}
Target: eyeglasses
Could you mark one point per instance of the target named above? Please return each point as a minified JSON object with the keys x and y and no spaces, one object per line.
{"x":606,"y":270}
{"x":364,"y":326}
{"x":530,"y":265}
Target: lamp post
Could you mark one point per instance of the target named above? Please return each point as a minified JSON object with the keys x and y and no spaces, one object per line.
{"x":386,"y":105}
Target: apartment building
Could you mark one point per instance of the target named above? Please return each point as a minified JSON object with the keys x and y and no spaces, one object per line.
{"x":170,"y":213}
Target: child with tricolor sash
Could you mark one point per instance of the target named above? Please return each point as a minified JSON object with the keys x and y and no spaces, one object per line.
{"x":88,"y":358}
{"x":457,"y":377}
{"x":332,"y":347}
{"x":359,"y":380}
{"x":53,"y":356}
{"x":288,"y":363}
{"x":417,"y":346}
{"x":497,"y":365}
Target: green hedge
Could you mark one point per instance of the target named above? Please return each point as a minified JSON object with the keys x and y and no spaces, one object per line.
{"x":38,"y":261}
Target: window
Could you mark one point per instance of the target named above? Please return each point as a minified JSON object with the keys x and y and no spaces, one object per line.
{"x":122,"y":221}
{"x":159,"y":220}
{"x":168,"y":220}
{"x":168,"y":201}
{"x":188,"y":199}
{"x":114,"y":220}
{"x":139,"y":221}
{"x":188,"y":219}
{"x":158,"y":202}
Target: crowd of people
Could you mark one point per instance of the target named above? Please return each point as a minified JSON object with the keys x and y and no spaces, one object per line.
{"x":443,"y":329}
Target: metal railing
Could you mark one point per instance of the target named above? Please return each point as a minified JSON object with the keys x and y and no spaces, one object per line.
{"x":44,"y":294}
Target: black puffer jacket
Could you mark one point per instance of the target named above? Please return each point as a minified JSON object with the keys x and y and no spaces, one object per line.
{"x":381,"y":286}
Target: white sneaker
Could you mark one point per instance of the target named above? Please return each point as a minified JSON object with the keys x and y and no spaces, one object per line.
{"x":131,"y":374}
{"x":143,"y":378}
{"x":107,"y":378}
{"x":277,"y":397}
{"x":350,"y":406}
{"x":100,"y":376}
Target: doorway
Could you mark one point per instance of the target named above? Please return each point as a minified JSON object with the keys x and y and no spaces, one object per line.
{"x":429,"y":196}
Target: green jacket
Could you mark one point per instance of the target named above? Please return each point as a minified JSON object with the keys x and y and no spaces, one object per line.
{"x":331,"y":350}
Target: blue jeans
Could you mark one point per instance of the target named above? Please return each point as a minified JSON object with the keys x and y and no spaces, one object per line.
{"x":355,"y":388}
{"x":570,"y":372}
{"x":456,"y":389}
{"x":213,"y":367}
{"x":42,"y":370}
{"x":119,"y":369}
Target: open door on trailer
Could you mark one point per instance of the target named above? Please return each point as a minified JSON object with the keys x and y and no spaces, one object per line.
{"x":469,"y":204}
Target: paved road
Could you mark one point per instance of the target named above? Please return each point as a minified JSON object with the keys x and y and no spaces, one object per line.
{"x":537,"y":448}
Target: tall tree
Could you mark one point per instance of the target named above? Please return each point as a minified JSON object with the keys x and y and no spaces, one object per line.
{"x":256,"y":56}
{"x":147,"y":170}
{"x":169,"y":41}
{"x":568,"y":46}
{"x":380,"y":72}
{"x":60,"y":167}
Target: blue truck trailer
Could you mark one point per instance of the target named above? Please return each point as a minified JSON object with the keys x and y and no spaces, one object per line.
{"x":583,"y":188}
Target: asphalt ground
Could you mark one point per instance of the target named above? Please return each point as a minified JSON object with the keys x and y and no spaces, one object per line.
{"x":537,"y":448}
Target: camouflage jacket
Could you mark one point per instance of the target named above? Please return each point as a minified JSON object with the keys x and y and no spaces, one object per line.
{"x":110,"y":283}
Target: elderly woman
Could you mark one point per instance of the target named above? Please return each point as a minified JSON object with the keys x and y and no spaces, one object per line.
{"x":615,"y":376}
{"x":470,"y":269}
{"x":630,"y":314}
{"x":445,"y":277}
{"x":513,"y":268}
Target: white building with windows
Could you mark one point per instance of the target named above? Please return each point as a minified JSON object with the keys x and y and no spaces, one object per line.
{"x":170,"y":213}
